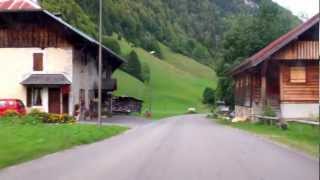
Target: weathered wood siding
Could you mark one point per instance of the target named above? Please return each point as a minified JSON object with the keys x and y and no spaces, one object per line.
{"x":308,"y":50}
{"x":300,"y":92}
{"x":243,"y":89}
{"x":31,"y":36}
{"x":256,"y":88}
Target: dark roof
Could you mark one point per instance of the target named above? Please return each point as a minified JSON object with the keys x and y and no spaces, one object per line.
{"x":46,"y":79}
{"x":274,"y":46}
{"x":125,"y":98}
{"x":90,"y":42}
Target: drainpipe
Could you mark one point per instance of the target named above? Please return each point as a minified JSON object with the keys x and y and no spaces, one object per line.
{"x":100,"y":64}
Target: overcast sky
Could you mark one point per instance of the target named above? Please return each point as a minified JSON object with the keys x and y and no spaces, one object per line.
{"x":301,"y":7}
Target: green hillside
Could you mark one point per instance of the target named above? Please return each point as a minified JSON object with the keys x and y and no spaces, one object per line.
{"x":174,"y":88}
{"x":194,"y":28}
{"x":128,"y":85}
{"x":187,"y":64}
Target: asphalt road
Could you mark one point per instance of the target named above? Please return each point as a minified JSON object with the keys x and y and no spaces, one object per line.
{"x":179,"y":148}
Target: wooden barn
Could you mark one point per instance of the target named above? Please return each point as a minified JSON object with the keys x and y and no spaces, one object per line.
{"x":284,"y":75}
{"x":126,"y":105}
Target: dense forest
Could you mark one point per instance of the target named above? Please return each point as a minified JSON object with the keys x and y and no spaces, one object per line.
{"x":191,"y":27}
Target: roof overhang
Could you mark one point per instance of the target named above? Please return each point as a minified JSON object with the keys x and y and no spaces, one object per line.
{"x":108,"y":55}
{"x":274,"y":46}
{"x":46,"y":80}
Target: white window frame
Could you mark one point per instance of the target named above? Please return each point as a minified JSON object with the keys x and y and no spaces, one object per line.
{"x":41,"y":95}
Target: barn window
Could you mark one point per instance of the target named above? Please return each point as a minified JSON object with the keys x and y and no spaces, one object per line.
{"x":38,"y":61}
{"x":298,"y":74}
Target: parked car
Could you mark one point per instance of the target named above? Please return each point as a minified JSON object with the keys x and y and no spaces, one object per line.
{"x":12,"y":105}
{"x":222,"y":107}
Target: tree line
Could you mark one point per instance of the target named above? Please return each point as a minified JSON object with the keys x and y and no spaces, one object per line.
{"x":191,"y":27}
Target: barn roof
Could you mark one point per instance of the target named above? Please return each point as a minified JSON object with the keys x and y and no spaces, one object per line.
{"x":275,"y":46}
{"x":125,"y":98}
{"x":18,"y":4}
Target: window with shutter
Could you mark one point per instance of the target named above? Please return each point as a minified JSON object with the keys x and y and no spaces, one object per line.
{"x":36,"y":97}
{"x":298,"y":74}
{"x":29,"y":97}
{"x":38,"y":62}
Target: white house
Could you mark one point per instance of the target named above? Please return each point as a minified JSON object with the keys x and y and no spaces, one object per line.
{"x":47,"y":63}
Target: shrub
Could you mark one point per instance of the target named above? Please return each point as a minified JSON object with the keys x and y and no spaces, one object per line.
{"x":65,"y":118}
{"x":133,"y":67}
{"x":42,"y":116}
{"x":145,"y":73}
{"x":11,"y":113}
{"x":60,"y":119}
{"x":51,"y":118}
{"x":112,"y":44}
{"x":36,"y":113}
{"x":209,"y":96}
{"x":268,"y":111}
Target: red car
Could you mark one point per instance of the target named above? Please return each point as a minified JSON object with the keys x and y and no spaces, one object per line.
{"x":12,"y":105}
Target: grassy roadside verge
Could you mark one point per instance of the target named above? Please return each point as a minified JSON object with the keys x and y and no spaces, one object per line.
{"x":19,"y":143}
{"x":299,"y":136}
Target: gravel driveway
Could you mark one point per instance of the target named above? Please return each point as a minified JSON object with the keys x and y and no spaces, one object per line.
{"x":179,"y":148}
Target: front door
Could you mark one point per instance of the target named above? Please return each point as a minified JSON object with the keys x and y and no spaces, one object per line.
{"x":54,"y":101}
{"x":65,"y":100}
{"x":273,"y":85}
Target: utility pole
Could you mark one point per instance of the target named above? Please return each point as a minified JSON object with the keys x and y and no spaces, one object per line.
{"x":100,"y":64}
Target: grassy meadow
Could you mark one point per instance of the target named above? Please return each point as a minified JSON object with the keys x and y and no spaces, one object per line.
{"x":177,"y":82}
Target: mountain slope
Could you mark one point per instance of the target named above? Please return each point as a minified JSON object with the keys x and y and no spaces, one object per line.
{"x":173,"y":88}
{"x":129,"y":86}
{"x":191,"y":27}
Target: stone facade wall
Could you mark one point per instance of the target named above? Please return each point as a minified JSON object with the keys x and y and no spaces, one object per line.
{"x":242,"y":112}
{"x":300,"y":111}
